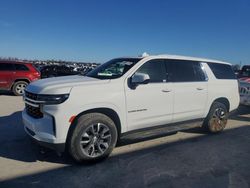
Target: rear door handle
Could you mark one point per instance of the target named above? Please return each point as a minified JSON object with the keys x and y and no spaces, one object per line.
{"x":166,"y":90}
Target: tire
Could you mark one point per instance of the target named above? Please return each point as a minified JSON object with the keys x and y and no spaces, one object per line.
{"x":90,"y":143}
{"x":19,"y":87}
{"x":217,"y":118}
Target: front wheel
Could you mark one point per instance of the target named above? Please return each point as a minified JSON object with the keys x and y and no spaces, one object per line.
{"x":217,"y":118}
{"x":93,"y":138}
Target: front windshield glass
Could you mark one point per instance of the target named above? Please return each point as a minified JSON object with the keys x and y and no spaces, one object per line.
{"x":113,"y":69}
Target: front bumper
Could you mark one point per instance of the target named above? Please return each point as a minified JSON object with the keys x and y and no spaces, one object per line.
{"x":53,"y":146}
{"x":42,"y":131}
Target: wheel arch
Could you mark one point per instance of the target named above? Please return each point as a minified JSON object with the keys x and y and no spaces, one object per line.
{"x":206,"y":124}
{"x":224,"y":101}
{"x":20,"y":79}
{"x":106,"y":111}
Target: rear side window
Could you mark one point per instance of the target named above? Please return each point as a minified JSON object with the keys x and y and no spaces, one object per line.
{"x":199,"y":72}
{"x":222,"y":71}
{"x":6,"y":67}
{"x":155,"y":69}
{"x":21,"y":67}
{"x":187,"y":71}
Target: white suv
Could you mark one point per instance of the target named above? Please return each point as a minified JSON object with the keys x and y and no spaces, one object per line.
{"x":86,"y":115}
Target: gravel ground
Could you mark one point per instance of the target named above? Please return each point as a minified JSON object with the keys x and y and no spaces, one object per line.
{"x":184,"y":159}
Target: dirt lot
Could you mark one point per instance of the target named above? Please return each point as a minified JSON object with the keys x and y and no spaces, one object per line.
{"x":185,"y":159}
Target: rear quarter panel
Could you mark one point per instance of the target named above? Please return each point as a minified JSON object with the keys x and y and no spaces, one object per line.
{"x":221,"y":88}
{"x":30,"y":75}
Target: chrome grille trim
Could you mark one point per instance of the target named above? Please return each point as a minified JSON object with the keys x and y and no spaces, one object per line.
{"x":32,"y":106}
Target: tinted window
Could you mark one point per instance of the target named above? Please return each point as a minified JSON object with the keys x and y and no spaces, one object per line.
{"x":169,"y":70}
{"x":6,"y":67}
{"x":21,"y":67}
{"x":187,"y":71}
{"x":222,"y":71}
{"x":199,"y":72}
{"x":155,"y":69}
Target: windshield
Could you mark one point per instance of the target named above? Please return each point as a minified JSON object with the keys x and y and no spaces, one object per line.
{"x":113,"y":69}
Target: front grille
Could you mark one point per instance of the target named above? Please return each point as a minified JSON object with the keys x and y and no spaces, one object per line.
{"x":34,"y":112}
{"x":244,"y":91}
{"x":32,"y":107}
{"x":30,"y":95}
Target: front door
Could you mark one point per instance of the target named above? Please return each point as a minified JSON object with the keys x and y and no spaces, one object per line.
{"x":150,"y":104}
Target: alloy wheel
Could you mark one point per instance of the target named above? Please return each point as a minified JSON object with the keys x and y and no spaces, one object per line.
{"x":219,"y":120}
{"x":20,"y":88}
{"x":95,"y":140}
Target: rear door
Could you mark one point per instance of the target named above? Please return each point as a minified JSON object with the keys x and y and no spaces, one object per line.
{"x":21,"y":71}
{"x":190,"y":87}
{"x":6,"y":75}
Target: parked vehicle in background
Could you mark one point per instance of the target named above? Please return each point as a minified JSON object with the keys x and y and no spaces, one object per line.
{"x":62,"y":70}
{"x":15,"y":76}
{"x":245,"y":94}
{"x":56,"y":70}
{"x":245,"y":91}
{"x":244,"y":82}
{"x":244,"y":72}
{"x":86,"y":115}
{"x":236,"y":69}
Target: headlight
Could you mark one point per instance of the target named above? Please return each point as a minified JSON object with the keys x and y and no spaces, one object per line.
{"x":52,"y":99}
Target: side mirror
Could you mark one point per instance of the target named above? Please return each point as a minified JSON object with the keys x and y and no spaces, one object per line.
{"x":139,"y":78}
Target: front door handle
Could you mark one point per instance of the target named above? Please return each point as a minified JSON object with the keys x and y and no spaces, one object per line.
{"x":200,"y":88}
{"x":166,"y":90}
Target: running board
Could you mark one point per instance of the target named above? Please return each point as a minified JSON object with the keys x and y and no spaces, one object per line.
{"x":162,"y":130}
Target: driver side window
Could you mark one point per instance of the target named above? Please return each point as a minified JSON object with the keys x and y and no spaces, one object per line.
{"x":155,"y":69}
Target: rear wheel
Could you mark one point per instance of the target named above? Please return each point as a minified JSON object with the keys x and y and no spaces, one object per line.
{"x":93,"y":138}
{"x":217,"y":118}
{"x":19,"y":87}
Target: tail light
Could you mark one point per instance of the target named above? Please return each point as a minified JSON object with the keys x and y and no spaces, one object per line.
{"x":37,"y":73}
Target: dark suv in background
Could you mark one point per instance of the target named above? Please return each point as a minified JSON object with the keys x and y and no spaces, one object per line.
{"x":57,"y":70}
{"x":244,"y":72}
{"x":15,"y":76}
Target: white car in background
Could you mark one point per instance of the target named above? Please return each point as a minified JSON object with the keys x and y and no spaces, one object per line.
{"x":86,"y":115}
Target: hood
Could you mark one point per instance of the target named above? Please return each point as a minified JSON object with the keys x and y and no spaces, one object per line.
{"x":61,"y":85}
